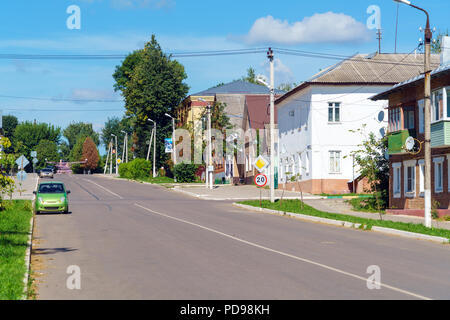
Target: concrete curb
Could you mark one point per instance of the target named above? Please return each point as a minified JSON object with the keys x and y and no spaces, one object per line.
{"x":205,"y":197}
{"x":345,"y":224}
{"x":29,"y":245}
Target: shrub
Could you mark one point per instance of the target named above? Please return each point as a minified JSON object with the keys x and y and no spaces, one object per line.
{"x":123,"y":170}
{"x":185,"y":172}
{"x":138,"y":169}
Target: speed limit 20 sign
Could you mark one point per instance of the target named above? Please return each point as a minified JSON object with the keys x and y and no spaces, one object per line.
{"x":261,"y":180}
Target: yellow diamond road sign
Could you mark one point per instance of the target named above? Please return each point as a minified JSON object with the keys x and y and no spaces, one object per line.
{"x":261,"y":163}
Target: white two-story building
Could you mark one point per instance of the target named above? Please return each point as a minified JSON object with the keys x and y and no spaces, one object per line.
{"x":317,"y":120}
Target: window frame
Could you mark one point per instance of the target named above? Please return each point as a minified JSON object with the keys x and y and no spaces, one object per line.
{"x":410,"y":167}
{"x":397,"y":180}
{"x":445,"y":92}
{"x":333,"y":106}
{"x":421,"y":177}
{"x":336,"y":167}
{"x":438,"y":162}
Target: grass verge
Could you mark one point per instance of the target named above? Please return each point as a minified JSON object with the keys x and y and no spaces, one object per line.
{"x":14,"y":229}
{"x":360,"y":204}
{"x":294,"y":206}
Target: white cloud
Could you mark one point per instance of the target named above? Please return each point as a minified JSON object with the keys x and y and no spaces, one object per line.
{"x":91,"y":94}
{"x":321,"y":27}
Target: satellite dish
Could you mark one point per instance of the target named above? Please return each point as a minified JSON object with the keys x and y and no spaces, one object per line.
{"x":382,"y":132}
{"x":381,"y":116}
{"x":409,"y":143}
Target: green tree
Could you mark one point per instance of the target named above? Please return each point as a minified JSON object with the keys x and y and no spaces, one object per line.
{"x":436,"y":45}
{"x":124,"y":72}
{"x":7,"y":184}
{"x":9,"y":123}
{"x":76,"y":153}
{"x":370,"y":157}
{"x":115,"y":126}
{"x":46,"y":149}
{"x":152,"y":87}
{"x":251,"y":76}
{"x":80,"y":129}
{"x":28,"y":135}
{"x":64,"y":150}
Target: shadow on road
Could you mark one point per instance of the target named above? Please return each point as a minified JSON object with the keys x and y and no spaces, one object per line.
{"x":45,"y":251}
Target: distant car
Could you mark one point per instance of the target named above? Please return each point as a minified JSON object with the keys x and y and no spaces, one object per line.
{"x":46,"y":173}
{"x":51,"y":197}
{"x":53,"y":168}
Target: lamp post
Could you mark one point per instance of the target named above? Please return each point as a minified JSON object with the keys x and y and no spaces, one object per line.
{"x":272,"y":123}
{"x":125,"y":147}
{"x":174,"y":154}
{"x":115,"y":137}
{"x":209,"y":173}
{"x":427,"y":114}
{"x":154,"y":147}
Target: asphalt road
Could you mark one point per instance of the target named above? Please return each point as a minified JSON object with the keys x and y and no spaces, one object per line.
{"x":138,"y":241}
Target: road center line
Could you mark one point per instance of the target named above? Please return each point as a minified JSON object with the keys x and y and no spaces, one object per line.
{"x":115,"y":194}
{"x":286,"y":254}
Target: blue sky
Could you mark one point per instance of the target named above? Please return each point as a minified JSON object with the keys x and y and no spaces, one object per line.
{"x":120,"y":26}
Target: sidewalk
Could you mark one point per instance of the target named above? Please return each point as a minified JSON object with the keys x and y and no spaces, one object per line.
{"x":237,"y":193}
{"x":28,"y":186}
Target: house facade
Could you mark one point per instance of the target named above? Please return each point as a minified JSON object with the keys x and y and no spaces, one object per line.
{"x":233,"y":95}
{"x":407,"y":167}
{"x":318,"y":120}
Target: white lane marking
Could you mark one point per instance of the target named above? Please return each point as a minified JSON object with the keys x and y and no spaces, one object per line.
{"x":113,"y":193}
{"x":286,"y":254}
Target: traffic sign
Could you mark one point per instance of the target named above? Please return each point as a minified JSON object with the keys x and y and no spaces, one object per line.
{"x":261,"y":180}
{"x":119,"y":161}
{"x":22,"y":162}
{"x":261,"y":163}
{"x":35,"y":160}
{"x":33,"y":154}
{"x":21,"y":175}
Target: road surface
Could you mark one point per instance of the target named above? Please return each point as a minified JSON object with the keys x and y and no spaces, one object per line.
{"x":138,"y":241}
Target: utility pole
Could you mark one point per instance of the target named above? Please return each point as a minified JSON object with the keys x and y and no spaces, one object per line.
{"x":110,"y":160}
{"x":379,"y":37}
{"x":174,"y":154}
{"x":427,"y":114}
{"x":117,"y":151}
{"x":210,"y":169}
{"x":107,"y":159}
{"x":125,"y":147}
{"x":272,"y":126}
{"x":154,"y":148}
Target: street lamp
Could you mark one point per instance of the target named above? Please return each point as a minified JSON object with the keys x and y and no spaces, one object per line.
{"x":117,"y":169}
{"x":154,"y":148}
{"x":427,"y":114}
{"x":174,"y":154}
{"x":272,"y":122}
{"x":125,"y":146}
{"x":209,"y":166}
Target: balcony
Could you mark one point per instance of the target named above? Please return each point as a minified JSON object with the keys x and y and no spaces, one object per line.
{"x":440,"y":134}
{"x":396,"y":140}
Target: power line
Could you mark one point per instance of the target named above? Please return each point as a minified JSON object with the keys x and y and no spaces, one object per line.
{"x":59,"y":99}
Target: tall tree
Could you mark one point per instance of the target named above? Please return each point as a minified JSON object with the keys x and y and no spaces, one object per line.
{"x":80,"y":129}
{"x":9,"y":123}
{"x":90,"y":153}
{"x":28,"y":135}
{"x":76,"y":153}
{"x":46,"y":149}
{"x":155,"y":87}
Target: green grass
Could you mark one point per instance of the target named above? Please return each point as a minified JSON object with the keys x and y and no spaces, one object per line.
{"x":14,"y":229}
{"x":346,"y":195}
{"x":359,"y":204}
{"x":294,"y":206}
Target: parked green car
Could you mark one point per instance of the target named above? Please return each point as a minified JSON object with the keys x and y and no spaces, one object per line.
{"x":51,"y":197}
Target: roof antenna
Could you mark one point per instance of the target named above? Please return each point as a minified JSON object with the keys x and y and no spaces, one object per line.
{"x":379,"y":40}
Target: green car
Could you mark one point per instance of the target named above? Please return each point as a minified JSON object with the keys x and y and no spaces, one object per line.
{"x":51,"y":197}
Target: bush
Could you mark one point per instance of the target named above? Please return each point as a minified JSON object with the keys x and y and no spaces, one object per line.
{"x":185,"y":172}
{"x":123,"y":170}
{"x":136,"y":169}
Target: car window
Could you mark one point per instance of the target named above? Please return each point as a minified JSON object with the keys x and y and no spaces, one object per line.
{"x":51,"y":188}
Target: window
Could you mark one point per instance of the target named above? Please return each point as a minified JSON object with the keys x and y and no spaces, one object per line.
{"x":408,"y":118}
{"x":438,"y":174}
{"x":410,"y":177}
{"x":421,"y":106}
{"x":307,"y":163}
{"x":334,"y":112}
{"x":335,"y":161}
{"x":396,"y":179}
{"x":437,"y":102}
{"x":394,"y":119}
{"x":448,"y":171}
{"x":421,"y":177}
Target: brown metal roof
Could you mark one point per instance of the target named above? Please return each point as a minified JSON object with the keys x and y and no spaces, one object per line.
{"x":258,"y":111}
{"x":376,"y":69}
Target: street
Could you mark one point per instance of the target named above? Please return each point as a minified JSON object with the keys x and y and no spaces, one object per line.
{"x":139,"y":241}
